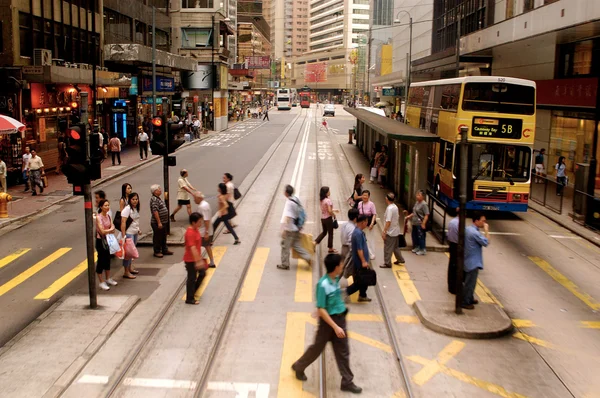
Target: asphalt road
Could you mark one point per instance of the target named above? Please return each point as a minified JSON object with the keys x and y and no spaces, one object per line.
{"x":235,"y":151}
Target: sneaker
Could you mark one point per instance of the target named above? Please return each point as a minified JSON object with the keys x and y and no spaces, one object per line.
{"x":372,"y":256}
{"x":416,"y":249}
{"x":212,"y":265}
{"x":364,"y":299}
{"x":385,"y":266}
{"x":353,"y":388}
{"x":402,"y":262}
{"x":282,"y":267}
{"x":34,"y":193}
{"x":421,"y":253}
{"x":299,"y":375}
{"x":111,"y":282}
{"x":104,"y":286}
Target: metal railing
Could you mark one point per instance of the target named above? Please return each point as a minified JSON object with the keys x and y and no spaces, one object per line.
{"x":550,"y":193}
{"x":438,"y":227}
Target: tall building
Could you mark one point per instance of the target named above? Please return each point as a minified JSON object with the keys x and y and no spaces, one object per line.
{"x":288,"y":20}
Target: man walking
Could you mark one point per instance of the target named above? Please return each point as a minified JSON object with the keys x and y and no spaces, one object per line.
{"x":346,"y":237}
{"x":332,"y":326}
{"x":115,"y":148}
{"x":206,"y":229}
{"x":36,"y":171}
{"x":391,"y":233}
{"x":474,"y":241}
{"x":360,"y":254}
{"x":3,"y":174}
{"x":143,"y":143}
{"x":539,"y":166}
{"x":160,"y":217}
{"x":290,"y":230}
{"x":266,"y":114}
{"x":25,"y":168}
{"x":420,"y":215}
{"x":228,"y":181}
{"x":452,"y":237}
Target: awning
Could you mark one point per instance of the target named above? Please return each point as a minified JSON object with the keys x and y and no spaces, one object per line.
{"x":391,"y":128}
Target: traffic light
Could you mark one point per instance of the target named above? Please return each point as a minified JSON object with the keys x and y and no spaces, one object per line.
{"x":174,"y":141}
{"x":76,"y":165}
{"x":158,"y":143}
{"x":163,"y":132}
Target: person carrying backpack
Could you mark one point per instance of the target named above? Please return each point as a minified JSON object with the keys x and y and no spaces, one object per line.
{"x":292,"y":221}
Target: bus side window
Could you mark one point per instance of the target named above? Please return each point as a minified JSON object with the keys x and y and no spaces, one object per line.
{"x":442,"y":152}
{"x":449,"y":155}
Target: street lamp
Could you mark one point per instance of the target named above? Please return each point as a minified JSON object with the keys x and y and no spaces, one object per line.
{"x":408,"y":69}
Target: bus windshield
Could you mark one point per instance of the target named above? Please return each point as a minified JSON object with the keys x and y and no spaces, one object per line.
{"x":499,"y":97}
{"x":500,"y":162}
{"x":283,"y":99}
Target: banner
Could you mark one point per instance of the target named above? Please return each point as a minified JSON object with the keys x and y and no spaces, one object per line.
{"x":315,"y":73}
{"x":258,"y":62}
{"x":386,"y":59}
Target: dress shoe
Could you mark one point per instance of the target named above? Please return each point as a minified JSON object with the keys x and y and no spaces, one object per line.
{"x":159,"y":255}
{"x":168,"y":253}
{"x":468,"y":306}
{"x":299,"y":375}
{"x":353,"y":388}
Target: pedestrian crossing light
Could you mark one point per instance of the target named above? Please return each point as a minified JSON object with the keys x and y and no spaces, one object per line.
{"x":76,"y":165}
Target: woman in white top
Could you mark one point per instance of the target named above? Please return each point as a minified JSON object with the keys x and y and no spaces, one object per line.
{"x":561,"y":177}
{"x":183,"y":194}
{"x":130,"y":228}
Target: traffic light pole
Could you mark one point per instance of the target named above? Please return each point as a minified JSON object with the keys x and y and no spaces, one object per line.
{"x":462,"y":218}
{"x":89,"y":237}
{"x":166,"y":172}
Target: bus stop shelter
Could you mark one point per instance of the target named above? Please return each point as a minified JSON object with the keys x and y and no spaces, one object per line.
{"x":409,"y":151}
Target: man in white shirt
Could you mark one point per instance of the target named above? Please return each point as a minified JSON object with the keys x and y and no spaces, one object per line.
{"x":391,"y":232}
{"x":36,"y":172}
{"x":25,"y":168}
{"x":143,"y":143}
{"x":3,"y":174}
{"x":206,"y":228}
{"x":346,"y":237}
{"x":290,"y":233}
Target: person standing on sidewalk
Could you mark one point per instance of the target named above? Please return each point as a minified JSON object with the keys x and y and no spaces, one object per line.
{"x":206,"y":229}
{"x":561,"y":177}
{"x":36,"y":172}
{"x":391,"y":232}
{"x":115,"y":148}
{"x":357,"y":191}
{"x":360,"y":255}
{"x":540,"y":170}
{"x":104,"y":226}
{"x":452,"y":237}
{"x":332,"y":326}
{"x":327,"y":219}
{"x":367,"y":208}
{"x":474,"y":241}
{"x":25,"y":168}
{"x":194,"y":263}
{"x":184,"y":190}
{"x":104,"y":142}
{"x":143,"y":143}
{"x":226,"y":212}
{"x":130,"y":229}
{"x":126,"y":191}
{"x":290,"y":232}
{"x":346,"y":237}
{"x":266,"y":114}
{"x":3,"y":174}
{"x":419,"y":217}
{"x":160,"y":217}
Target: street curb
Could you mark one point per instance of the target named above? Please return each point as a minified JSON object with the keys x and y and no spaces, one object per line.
{"x":446,"y":322}
{"x":564,"y":225}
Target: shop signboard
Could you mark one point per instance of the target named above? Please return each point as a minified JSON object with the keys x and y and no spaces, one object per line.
{"x":258,"y":62}
{"x":148,"y":101}
{"x":315,"y":72}
{"x":133,"y":89}
{"x":201,"y":79}
{"x":163,"y":84}
{"x":580,"y":92}
{"x":389,"y":92}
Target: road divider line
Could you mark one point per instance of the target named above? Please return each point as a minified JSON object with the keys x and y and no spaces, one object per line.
{"x":407,"y":286}
{"x":23,"y":276}
{"x":218,"y":253}
{"x":293,"y":348}
{"x":254,"y":276}
{"x":12,"y":257}
{"x":590,"y":324}
{"x":566,"y":283}
{"x":407,"y":319}
{"x":565,"y":237}
{"x":434,"y":366}
{"x":523,"y":323}
{"x":64,"y":280}
{"x":369,"y":341}
{"x":364,"y":317}
{"x":303,"y":292}
{"x":532,"y":340}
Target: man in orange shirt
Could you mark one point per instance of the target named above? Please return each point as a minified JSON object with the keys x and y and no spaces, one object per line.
{"x":194,"y":263}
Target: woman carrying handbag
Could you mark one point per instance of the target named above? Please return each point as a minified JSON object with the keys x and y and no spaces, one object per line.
{"x":104,"y":227}
{"x":226,"y":212}
{"x":130,"y":228}
{"x":367,"y":208}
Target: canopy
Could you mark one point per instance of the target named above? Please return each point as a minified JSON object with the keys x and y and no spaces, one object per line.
{"x":8,"y":125}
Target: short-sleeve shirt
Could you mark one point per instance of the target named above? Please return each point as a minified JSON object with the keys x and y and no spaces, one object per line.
{"x":35,"y":163}
{"x":453,"y":230}
{"x":474,"y":241}
{"x":346,"y":233}
{"x":192,"y":239}
{"x":142,"y":137}
{"x":2,"y":169}
{"x":420,"y":210}
{"x":114,"y":144}
{"x":134,"y":227}
{"x":359,"y":242}
{"x":206,"y":211}
{"x":26,"y":157}
{"x":329,"y":295}
{"x":393,"y":217}
{"x":230,"y":189}
{"x":368,"y":209}
{"x":325,"y":203}
{"x":182,"y":194}
{"x":156,"y":204}
{"x":290,"y":211}
{"x":539,"y":159}
{"x":560,"y":170}
{"x":104,"y":221}
{"x":358,"y":191}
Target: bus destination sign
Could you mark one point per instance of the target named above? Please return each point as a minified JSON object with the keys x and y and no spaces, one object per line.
{"x":486,"y":127}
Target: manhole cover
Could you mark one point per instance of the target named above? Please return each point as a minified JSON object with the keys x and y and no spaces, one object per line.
{"x":70,"y":220}
{"x":59,"y":193}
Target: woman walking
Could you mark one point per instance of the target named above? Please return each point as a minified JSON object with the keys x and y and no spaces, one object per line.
{"x":183,"y":194}
{"x":359,"y":179}
{"x":327,"y":219}
{"x":561,"y":177}
{"x":126,"y":190}
{"x":104,"y":226}
{"x":130,"y":228}
{"x":226,"y":212}
{"x":367,"y":208}
{"x":382,"y":166}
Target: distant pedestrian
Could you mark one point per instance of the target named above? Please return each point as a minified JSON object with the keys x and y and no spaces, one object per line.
{"x":474,"y":241}
{"x":346,"y":238}
{"x":226,"y":212}
{"x":62,"y":154}
{"x":36,"y":172}
{"x":382,"y":162}
{"x":115,"y":148}
{"x":327,"y":218}
{"x":206,"y":229}
{"x":375,"y":154}
{"x":266,"y":117}
{"x":25,"y":168}
{"x":290,"y":231}
{"x":160,"y":217}
{"x":104,"y":227}
{"x":452,"y":237}
{"x":367,"y":208}
{"x":228,"y":181}
{"x":540,"y":170}
{"x":3,"y":174}
{"x":332,"y":326}
{"x":126,"y":190}
{"x":357,"y":191}
{"x":130,"y":229}
{"x":184,"y":190}
{"x":98,"y":197}
{"x":419,"y":217}
{"x":194,"y":263}
{"x":561,"y":177}
{"x":196,"y":126}
{"x":391,"y":233}
{"x":143,"y":144}
{"x":104,"y":142}
{"x":360,"y":259}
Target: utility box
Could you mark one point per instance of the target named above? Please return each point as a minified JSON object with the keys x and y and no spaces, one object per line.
{"x":582,"y":173}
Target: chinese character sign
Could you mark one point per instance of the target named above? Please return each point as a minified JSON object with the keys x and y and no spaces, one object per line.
{"x":258,"y":62}
{"x":315,"y":73}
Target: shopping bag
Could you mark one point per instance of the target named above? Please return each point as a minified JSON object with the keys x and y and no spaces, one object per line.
{"x":306,"y":241}
{"x":45,"y":181}
{"x":336,"y":225}
{"x":113,"y":244}
{"x":373,"y":172}
{"x":131,"y":252}
{"x":383,"y":171}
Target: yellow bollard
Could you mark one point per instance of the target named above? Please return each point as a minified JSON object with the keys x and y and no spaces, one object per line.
{"x":4,"y":199}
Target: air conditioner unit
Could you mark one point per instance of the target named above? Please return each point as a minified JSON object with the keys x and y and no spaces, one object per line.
{"x":42,"y":57}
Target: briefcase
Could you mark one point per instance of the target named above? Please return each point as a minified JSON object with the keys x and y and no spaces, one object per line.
{"x":368,"y":276}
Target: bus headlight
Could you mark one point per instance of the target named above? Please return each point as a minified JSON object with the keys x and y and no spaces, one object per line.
{"x":516,"y":197}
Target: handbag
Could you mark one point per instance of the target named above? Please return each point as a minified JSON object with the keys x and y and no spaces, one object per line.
{"x":336,"y":225}
{"x":383,"y":171}
{"x":131,"y":252}
{"x":236,"y":194}
{"x":374,"y":172}
{"x":45,"y":181}
{"x":367,"y":276}
{"x":401,"y":241}
{"x":202,"y":264}
{"x":113,"y":244}
{"x":231,"y":210}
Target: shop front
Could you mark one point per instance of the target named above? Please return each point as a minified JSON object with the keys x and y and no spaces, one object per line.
{"x":165,"y":89}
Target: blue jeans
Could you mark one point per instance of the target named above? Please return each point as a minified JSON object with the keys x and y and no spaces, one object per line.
{"x":469,"y":286}
{"x":418,"y":237}
{"x":127,"y":263}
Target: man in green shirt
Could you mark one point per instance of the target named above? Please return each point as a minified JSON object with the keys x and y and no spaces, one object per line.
{"x":332,"y":325}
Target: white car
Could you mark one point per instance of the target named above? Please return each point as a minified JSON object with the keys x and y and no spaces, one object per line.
{"x":329,"y":109}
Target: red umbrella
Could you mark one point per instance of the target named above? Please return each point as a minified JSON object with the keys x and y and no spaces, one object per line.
{"x":8,"y":125}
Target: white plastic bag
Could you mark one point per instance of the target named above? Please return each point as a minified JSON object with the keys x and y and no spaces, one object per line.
{"x":113,"y":244}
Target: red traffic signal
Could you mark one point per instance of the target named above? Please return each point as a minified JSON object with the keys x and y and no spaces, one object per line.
{"x":157,"y":121}
{"x":74,"y":133}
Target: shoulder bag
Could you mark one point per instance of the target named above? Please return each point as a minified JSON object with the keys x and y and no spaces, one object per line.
{"x":367,"y":276}
{"x":236,"y":194}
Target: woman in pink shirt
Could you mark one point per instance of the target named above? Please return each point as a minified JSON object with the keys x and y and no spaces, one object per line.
{"x":327,"y":217}
{"x":367,"y":208}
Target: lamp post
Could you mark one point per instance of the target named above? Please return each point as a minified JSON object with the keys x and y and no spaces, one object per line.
{"x":408,"y":70}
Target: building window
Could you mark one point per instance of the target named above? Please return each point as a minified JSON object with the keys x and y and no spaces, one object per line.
{"x":117,"y":27}
{"x":196,"y":37}
{"x":472,"y":14}
{"x":141,"y":31}
{"x":527,"y":5}
{"x":25,"y":41}
{"x":579,"y":59}
{"x":197,"y":3}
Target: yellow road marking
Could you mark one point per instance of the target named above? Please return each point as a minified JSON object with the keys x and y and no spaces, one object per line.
{"x":532,"y":340}
{"x":304,"y":281}
{"x":12,"y":257}
{"x":434,"y":366}
{"x":369,"y":341}
{"x":407,"y":319}
{"x":567,"y":284}
{"x":252,"y":281}
{"x":483,"y":293}
{"x":590,"y":324}
{"x":218,"y":253}
{"x":364,"y":317}
{"x":399,"y":394}
{"x":407,"y":286}
{"x":354,"y":297}
{"x":523,"y":323}
{"x":28,"y":273}
{"x":293,"y":348}
{"x":64,"y":280}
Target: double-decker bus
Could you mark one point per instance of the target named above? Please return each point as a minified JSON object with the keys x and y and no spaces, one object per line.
{"x":284,"y":100}
{"x":499,"y":113}
{"x":304,"y":95}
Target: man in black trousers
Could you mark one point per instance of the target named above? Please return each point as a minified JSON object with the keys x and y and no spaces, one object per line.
{"x":452,"y":237}
{"x":266,"y":114}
